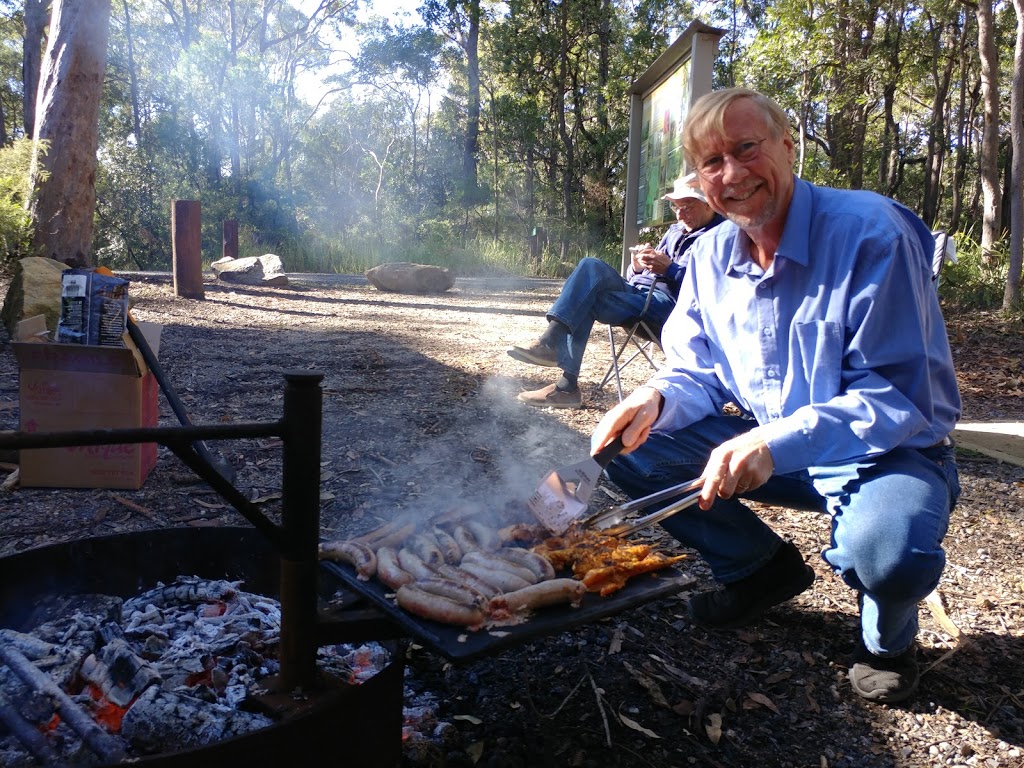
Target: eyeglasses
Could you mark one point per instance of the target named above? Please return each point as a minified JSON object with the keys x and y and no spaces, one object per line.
{"x":744,"y":152}
{"x":684,"y":205}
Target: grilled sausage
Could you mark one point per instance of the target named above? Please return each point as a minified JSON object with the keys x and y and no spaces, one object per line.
{"x":491,"y":560}
{"x":414,"y":564}
{"x":359,"y":556}
{"x":389,"y":572}
{"x":538,"y":595}
{"x":438,"y":608}
{"x":460,"y":593}
{"x":449,"y":546}
{"x":539,"y":564}
{"x":462,"y":576}
{"x":499,"y":579}
{"x":426,"y":548}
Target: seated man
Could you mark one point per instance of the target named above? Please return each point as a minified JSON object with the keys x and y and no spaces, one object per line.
{"x":596,"y":292}
{"x":813,"y":311}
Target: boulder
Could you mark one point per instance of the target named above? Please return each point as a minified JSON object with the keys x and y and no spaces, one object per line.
{"x":35,"y":290}
{"x":406,"y":277}
{"x":251,"y":270}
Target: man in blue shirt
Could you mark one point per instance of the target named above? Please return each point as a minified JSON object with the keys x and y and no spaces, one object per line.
{"x":813,"y":313}
{"x":596,"y":292}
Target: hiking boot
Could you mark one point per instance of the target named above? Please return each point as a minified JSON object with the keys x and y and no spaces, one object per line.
{"x":552,"y":397}
{"x":783,"y":577}
{"x":535,"y":354}
{"x":885,"y":679}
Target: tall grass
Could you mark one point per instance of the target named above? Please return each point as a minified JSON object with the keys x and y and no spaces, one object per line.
{"x":483,"y":257}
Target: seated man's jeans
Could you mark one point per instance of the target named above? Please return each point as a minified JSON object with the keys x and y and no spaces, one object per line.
{"x":596,"y":292}
{"x":889,"y":514}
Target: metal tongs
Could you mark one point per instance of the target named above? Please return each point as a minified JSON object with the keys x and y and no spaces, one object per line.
{"x":612,"y":522}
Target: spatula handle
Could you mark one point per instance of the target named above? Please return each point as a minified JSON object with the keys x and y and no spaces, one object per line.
{"x":605,"y":455}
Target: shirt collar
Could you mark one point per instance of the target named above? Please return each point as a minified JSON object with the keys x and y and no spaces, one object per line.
{"x":796,"y":235}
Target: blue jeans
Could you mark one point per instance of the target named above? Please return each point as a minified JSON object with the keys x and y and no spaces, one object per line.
{"x":596,"y":292}
{"x":889,"y":514}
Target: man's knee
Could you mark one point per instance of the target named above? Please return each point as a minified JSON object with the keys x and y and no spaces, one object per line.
{"x":901,"y":574}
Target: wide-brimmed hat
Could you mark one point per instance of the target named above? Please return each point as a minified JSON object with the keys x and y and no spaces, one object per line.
{"x":685,"y":187}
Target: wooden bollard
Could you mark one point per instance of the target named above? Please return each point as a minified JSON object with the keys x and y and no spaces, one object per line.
{"x":229,"y":249}
{"x":187,"y":249}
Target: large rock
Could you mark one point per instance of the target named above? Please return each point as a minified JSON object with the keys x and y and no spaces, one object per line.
{"x":35,"y":290}
{"x":251,"y":270}
{"x":406,"y":277}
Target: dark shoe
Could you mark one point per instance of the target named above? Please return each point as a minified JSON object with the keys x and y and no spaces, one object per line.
{"x":535,"y":354}
{"x":552,"y":397}
{"x":885,"y":679}
{"x":783,"y":577}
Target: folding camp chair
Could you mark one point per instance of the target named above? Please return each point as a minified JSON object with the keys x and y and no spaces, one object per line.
{"x":945,"y":250}
{"x":642,"y":337}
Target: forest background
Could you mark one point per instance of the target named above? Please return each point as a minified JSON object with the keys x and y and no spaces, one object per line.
{"x":491,"y":137}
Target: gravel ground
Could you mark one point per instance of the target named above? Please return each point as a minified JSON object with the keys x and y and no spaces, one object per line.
{"x":420,"y":414}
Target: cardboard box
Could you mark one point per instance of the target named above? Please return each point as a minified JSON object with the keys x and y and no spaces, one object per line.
{"x":65,"y":387}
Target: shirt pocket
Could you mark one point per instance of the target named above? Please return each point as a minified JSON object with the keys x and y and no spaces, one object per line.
{"x":819,"y":356}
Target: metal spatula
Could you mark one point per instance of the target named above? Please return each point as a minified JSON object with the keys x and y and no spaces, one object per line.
{"x":561,"y":498}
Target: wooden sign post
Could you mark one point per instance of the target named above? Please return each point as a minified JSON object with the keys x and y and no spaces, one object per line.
{"x":187,"y":249}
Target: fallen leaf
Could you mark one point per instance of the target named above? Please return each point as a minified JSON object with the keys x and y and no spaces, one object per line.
{"x":637,"y":727}
{"x":326,"y":495}
{"x":938,"y":611}
{"x":468,"y":719}
{"x":210,"y":505}
{"x":778,"y":677}
{"x":266,"y":498}
{"x":616,"y":642}
{"x":475,"y":751}
{"x":755,"y":700}
{"x":650,"y":685}
{"x":714,"y":728}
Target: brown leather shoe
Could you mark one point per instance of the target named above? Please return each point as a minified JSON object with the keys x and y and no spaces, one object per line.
{"x":535,"y":354}
{"x":552,"y":397}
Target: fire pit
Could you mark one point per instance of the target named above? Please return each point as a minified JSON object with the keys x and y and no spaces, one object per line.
{"x":362,"y":721}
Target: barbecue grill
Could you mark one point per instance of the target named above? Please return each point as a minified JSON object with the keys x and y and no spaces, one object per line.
{"x":369,"y":715}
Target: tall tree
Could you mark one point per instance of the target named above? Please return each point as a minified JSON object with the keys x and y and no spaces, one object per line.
{"x":63,"y":177}
{"x":988,"y":161}
{"x":1011,"y":296}
{"x":36,"y":17}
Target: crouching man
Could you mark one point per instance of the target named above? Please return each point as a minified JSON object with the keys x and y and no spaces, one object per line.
{"x":812,"y":310}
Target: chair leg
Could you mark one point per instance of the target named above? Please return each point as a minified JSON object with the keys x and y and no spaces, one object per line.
{"x":613,"y":367}
{"x":643,"y":347}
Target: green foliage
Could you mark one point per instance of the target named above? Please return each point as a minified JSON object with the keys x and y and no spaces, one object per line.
{"x":15,"y":161}
{"x":973,"y":283}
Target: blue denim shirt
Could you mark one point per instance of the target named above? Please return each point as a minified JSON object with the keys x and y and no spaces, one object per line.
{"x":676,"y":243}
{"x":838,"y":350}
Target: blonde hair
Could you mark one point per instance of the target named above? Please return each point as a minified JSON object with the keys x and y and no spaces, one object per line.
{"x":707,"y":117}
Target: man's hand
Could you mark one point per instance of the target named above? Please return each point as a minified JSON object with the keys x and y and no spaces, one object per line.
{"x":736,"y":466}
{"x":656,"y":261}
{"x":632,"y":418}
{"x":636,"y":256}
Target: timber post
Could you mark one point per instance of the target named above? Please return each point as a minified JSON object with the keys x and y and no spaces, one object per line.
{"x":187,"y":249}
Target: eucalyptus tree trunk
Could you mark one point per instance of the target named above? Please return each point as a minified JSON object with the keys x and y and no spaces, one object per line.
{"x":1011,"y":296}
{"x":937,"y":141}
{"x":988,"y":159}
{"x":471,"y":146}
{"x":36,"y":16}
{"x":63,"y":171}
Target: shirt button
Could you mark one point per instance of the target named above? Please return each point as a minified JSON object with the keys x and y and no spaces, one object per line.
{"x":770,"y":373}
{"x":767,"y":331}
